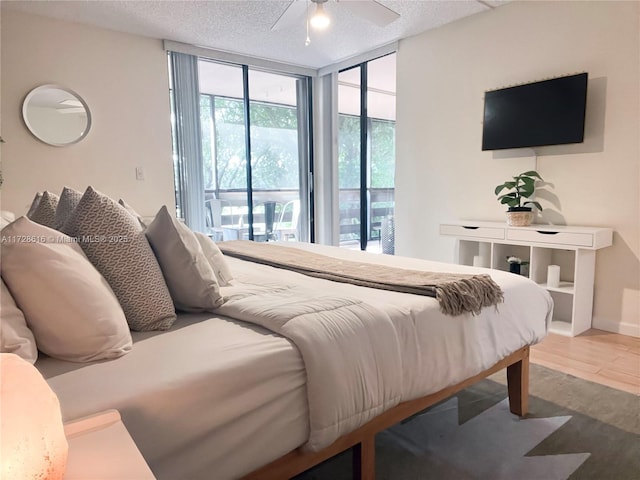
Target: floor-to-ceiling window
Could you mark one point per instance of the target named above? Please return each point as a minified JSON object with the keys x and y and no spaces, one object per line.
{"x":255,"y":152}
{"x":366,"y":154}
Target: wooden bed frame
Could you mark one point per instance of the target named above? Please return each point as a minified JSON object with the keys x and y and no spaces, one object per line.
{"x":362,"y":440}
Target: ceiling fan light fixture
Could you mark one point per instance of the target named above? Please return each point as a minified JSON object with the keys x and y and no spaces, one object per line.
{"x":320,"y":20}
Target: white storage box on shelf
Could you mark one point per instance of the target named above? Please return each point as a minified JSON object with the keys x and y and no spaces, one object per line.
{"x":571,"y":248}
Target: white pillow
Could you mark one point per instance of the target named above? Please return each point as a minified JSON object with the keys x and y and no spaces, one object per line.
{"x":216,"y":259}
{"x":6,"y":217}
{"x":191,"y":280}
{"x":69,"y":306}
{"x":15,"y":336}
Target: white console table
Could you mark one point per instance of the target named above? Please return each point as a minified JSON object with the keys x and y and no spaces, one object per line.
{"x":572,"y":248}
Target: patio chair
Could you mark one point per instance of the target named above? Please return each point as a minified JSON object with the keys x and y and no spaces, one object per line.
{"x":287,"y":226}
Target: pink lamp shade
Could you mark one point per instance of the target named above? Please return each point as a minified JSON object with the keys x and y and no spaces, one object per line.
{"x":32,"y":440}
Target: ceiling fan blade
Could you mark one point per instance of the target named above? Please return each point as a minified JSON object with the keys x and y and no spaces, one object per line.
{"x":292,"y":16}
{"x":371,"y":10}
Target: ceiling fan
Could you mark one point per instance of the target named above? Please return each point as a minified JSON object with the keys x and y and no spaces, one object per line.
{"x":370,"y":10}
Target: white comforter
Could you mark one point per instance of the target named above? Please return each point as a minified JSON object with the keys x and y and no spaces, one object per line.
{"x":366,"y":350}
{"x":350,"y":351}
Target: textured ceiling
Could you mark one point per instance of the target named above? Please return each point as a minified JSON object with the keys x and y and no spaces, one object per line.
{"x":244,"y":27}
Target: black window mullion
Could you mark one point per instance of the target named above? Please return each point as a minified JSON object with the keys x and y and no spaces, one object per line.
{"x":363,"y":158}
{"x":369,"y":204}
{"x":214,"y":156}
{"x":311,"y":206}
{"x":247,"y":139}
{"x":304,"y":109}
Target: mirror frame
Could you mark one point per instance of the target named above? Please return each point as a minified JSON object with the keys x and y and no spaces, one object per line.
{"x":36,"y":90}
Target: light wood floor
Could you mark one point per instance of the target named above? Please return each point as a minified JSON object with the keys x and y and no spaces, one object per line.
{"x":601,"y":357}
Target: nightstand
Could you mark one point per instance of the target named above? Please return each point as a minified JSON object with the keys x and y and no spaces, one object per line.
{"x":101,"y":448}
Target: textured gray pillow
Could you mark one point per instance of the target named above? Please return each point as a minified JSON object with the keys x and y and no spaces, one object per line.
{"x":69,"y":199}
{"x":45,"y":212}
{"x":34,"y":204}
{"x":189,"y":276}
{"x":116,"y":245}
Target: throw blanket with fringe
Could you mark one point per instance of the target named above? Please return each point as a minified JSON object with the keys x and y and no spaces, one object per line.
{"x":456,"y":293}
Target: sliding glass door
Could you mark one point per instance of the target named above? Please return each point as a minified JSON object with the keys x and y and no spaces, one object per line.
{"x":279,"y":159}
{"x":366,"y":155}
{"x":255,"y":152}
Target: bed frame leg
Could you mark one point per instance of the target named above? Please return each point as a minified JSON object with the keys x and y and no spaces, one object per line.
{"x":364,"y":459}
{"x":518,"y":386}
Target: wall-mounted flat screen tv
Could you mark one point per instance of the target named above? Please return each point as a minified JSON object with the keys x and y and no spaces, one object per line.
{"x":550,"y":112}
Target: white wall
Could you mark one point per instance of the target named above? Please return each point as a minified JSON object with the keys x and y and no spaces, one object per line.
{"x":124,"y":80}
{"x":443,"y":174}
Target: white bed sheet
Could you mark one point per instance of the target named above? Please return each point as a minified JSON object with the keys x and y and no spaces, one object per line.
{"x":204,"y":400}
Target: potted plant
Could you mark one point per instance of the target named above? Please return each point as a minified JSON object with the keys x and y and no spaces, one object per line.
{"x":519,"y":189}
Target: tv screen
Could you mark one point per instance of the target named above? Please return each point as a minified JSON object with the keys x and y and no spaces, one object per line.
{"x":550,"y":112}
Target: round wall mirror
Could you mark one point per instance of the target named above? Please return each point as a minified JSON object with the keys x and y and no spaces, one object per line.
{"x":56,"y":115}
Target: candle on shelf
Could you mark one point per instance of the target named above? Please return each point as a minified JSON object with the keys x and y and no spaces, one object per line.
{"x":553,"y":276}
{"x":485,"y":253}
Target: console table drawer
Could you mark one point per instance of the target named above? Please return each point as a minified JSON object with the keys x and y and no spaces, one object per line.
{"x":574,"y":239}
{"x":472,"y":231}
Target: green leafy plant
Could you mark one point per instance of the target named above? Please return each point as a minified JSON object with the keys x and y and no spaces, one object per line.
{"x":519,"y":190}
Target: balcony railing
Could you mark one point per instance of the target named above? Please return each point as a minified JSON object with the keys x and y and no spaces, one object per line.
{"x":381,"y":204}
{"x":234,"y":210}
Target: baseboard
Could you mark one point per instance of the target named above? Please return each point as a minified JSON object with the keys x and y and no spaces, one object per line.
{"x":630,"y":329}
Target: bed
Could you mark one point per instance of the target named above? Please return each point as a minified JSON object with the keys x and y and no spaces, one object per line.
{"x":220,"y":396}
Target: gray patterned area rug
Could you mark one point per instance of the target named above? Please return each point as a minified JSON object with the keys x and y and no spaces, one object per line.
{"x":574,"y":430}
